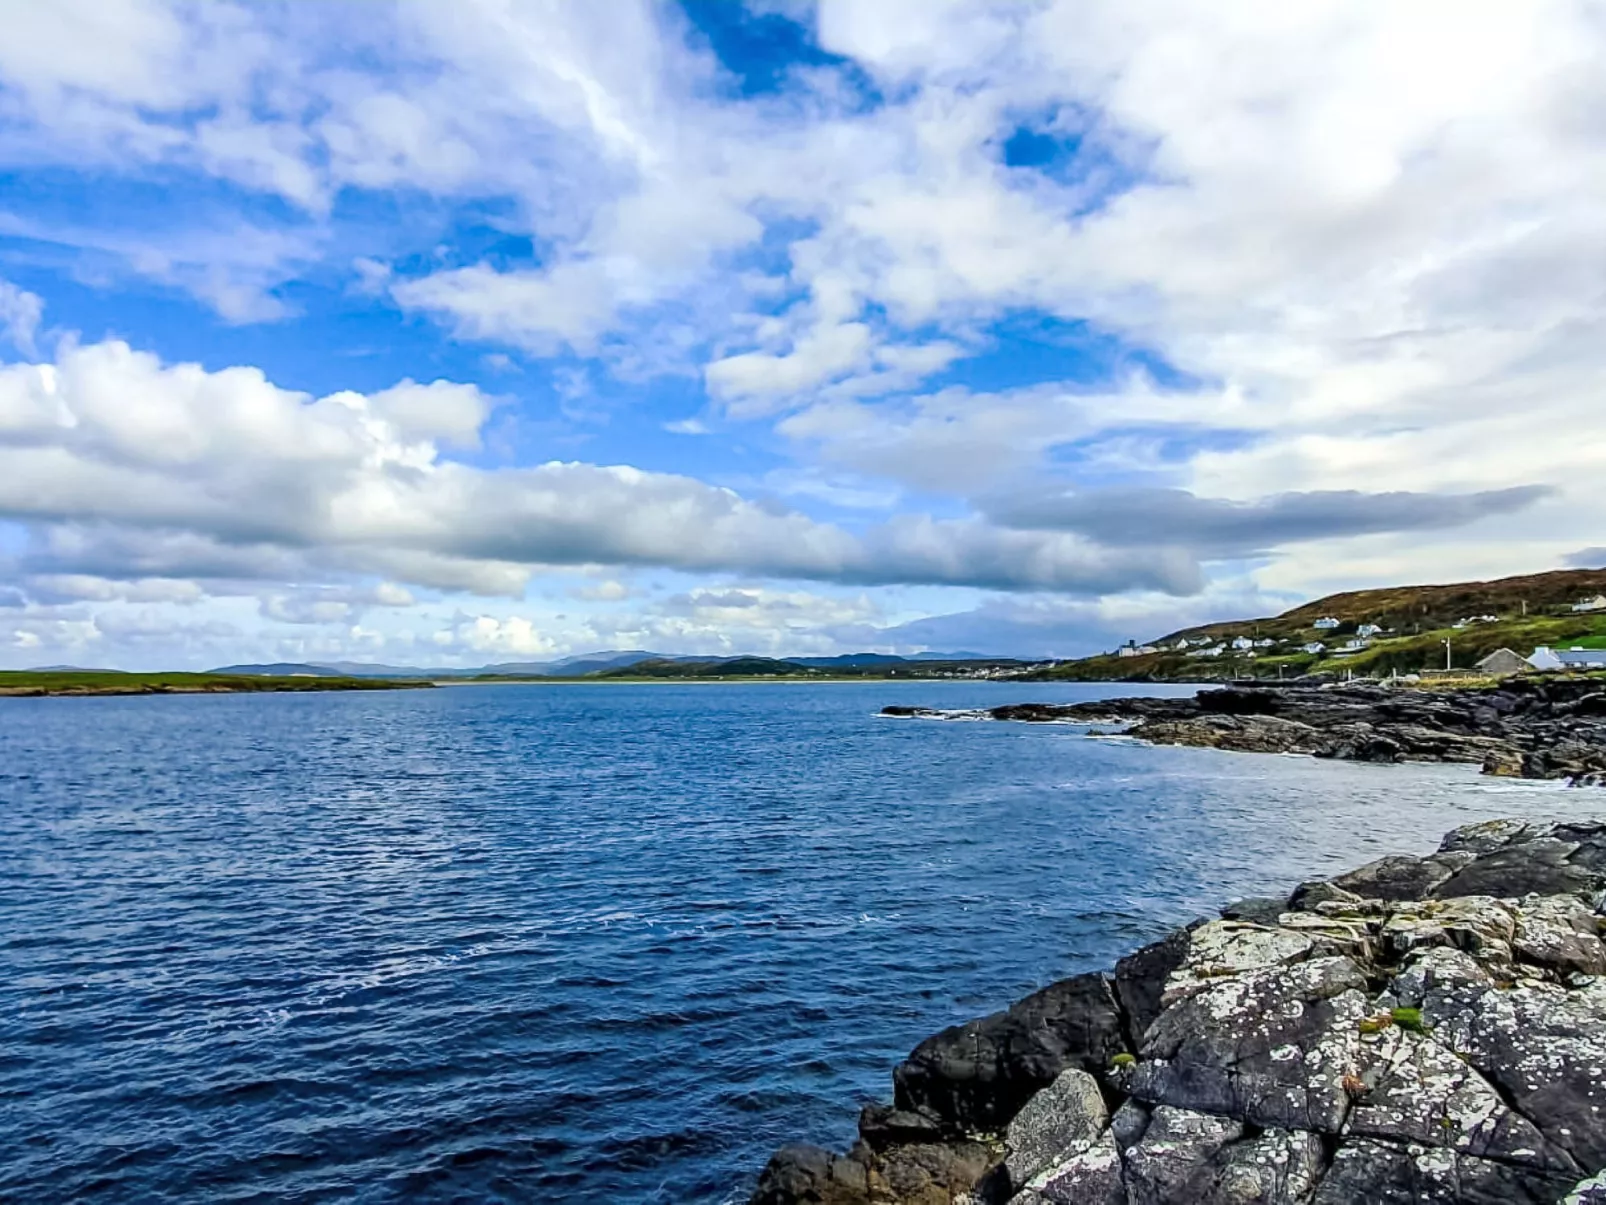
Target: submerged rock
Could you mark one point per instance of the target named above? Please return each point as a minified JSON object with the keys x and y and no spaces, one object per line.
{"x":1418,"y":1030}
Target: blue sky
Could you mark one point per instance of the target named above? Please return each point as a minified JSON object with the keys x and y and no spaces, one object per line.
{"x":782,"y":327}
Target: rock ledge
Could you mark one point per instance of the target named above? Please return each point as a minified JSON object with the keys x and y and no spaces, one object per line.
{"x":1417,"y":1030}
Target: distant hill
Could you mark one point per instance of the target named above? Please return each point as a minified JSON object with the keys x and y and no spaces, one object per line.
{"x":281,"y":669}
{"x":723,"y":667}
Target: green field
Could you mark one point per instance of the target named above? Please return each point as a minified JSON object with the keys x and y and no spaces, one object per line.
{"x":33,"y":683}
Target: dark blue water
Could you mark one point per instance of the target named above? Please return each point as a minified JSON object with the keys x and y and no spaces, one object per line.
{"x":576,"y":943}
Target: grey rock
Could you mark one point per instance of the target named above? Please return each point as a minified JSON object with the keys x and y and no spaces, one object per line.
{"x":976,"y":1076}
{"x":1489,"y":835}
{"x":1140,"y":980}
{"x":1447,"y":1048}
{"x":1090,"y":1177}
{"x":1060,"y":1121}
{"x":1542,"y":1046}
{"x":1401,"y":878}
{"x":1307,"y":896}
{"x":881,"y":1126}
{"x":1379,"y":1173}
{"x":1281,"y":1167}
{"x":1172,"y":1161}
{"x":1558,"y":932}
{"x":1419,"y":1092}
{"x":1538,"y":866}
{"x":1129,"y":1123}
{"x":1270,"y":1046}
{"x":800,"y":1173}
{"x":1257,"y":909}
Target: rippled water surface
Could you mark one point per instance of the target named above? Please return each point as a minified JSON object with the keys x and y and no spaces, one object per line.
{"x":577,"y":943}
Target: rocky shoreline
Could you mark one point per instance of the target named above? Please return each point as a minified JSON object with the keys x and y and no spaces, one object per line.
{"x":1523,"y":728}
{"x":1418,"y":1030}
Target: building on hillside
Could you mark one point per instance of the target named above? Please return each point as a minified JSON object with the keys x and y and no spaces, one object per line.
{"x":1135,"y":650}
{"x":1544,"y":658}
{"x":1213,"y":651}
{"x":1181,"y":646}
{"x":1368,"y":629}
{"x":1265,"y":642}
{"x":1598,"y":603}
{"x":1501,"y":663}
{"x":1353,"y":645}
{"x":1315,"y":646}
{"x":1325,"y":624}
{"x":1242,"y":642}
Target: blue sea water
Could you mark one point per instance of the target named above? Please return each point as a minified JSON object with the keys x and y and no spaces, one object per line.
{"x":580,"y":944}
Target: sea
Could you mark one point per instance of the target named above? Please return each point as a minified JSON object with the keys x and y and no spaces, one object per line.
{"x":581,"y":943}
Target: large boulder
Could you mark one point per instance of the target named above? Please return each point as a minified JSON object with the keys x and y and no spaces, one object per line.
{"x":975,"y":1077}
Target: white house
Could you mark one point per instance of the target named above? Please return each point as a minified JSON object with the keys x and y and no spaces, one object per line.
{"x":1214,"y":651}
{"x":1550,"y":659}
{"x":1182,"y":646}
{"x":1265,"y":642}
{"x":1368,"y":629}
{"x":1598,"y":603}
{"x":1135,"y":650}
{"x":1242,"y":642}
{"x":1315,"y":646}
{"x":1354,"y":645}
{"x":1325,"y":624}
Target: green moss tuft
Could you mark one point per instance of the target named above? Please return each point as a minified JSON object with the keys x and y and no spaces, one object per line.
{"x":1409,"y":1019}
{"x":1123,"y":1060}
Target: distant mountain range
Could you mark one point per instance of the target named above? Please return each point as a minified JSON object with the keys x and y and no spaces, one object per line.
{"x":581,"y":664}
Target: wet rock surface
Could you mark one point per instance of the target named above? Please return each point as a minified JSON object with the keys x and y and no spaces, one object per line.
{"x":1524,"y":728}
{"x":1389,"y":1035}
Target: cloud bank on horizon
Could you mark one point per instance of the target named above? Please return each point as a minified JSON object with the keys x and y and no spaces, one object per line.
{"x":404,"y":333}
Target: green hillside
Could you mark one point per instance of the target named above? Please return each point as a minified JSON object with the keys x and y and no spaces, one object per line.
{"x":1527,"y":612}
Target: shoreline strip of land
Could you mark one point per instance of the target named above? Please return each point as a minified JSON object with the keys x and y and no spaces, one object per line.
{"x":34,"y":684}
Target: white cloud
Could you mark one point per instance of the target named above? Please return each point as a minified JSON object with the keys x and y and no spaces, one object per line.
{"x":487,"y":634}
{"x":58,"y":587}
{"x":20,"y":314}
{"x":106,"y":435}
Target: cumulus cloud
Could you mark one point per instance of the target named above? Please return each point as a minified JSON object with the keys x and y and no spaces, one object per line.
{"x":109,"y":436}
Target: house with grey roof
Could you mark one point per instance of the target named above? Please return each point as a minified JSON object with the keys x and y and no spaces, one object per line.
{"x":1502,"y":663}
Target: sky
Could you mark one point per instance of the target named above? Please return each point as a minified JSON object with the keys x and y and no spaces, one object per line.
{"x":451,"y":334}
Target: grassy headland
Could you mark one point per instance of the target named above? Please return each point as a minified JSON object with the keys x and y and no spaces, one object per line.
{"x":1413,"y":623}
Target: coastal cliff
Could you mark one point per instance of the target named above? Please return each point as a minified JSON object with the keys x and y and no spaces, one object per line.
{"x":1422,"y":1029}
{"x":1523,"y":728}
